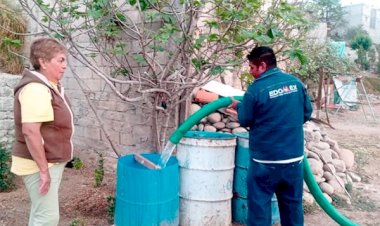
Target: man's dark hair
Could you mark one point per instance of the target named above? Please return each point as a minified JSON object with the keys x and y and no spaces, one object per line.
{"x":262,"y":54}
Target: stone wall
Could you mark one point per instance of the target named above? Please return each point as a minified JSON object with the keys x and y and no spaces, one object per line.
{"x":7,"y":82}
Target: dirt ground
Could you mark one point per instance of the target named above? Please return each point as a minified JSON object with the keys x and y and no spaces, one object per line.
{"x":82,"y":204}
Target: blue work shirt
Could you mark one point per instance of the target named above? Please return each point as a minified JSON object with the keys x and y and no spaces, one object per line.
{"x":275,"y":107}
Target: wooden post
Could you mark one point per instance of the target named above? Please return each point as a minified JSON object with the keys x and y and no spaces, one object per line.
{"x":319,"y":97}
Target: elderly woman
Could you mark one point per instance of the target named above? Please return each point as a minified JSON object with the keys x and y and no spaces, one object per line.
{"x":44,"y":128}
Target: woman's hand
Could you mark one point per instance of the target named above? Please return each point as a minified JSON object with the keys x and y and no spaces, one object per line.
{"x":44,"y":182}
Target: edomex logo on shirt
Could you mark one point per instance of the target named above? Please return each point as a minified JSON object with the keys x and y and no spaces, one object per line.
{"x":282,"y":91}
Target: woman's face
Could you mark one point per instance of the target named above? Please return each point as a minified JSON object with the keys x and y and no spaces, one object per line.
{"x":54,"y":68}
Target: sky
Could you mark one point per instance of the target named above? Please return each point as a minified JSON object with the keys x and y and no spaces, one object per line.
{"x":368,"y":2}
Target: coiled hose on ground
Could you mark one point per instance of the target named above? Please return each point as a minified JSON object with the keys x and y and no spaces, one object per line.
{"x":308,"y":175}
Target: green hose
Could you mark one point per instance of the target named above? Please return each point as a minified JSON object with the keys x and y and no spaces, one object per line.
{"x":309,"y":178}
{"x":321,"y":199}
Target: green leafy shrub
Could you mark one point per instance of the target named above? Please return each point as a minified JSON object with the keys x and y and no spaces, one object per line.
{"x":110,"y":209}
{"x":78,"y":163}
{"x":99,"y":171}
{"x":6,"y":177}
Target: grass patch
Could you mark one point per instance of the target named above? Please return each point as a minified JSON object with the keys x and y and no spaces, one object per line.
{"x":363,"y":203}
{"x":362,"y":158}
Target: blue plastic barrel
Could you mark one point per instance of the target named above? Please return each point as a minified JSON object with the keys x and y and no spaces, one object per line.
{"x":239,"y":201}
{"x":146,"y":197}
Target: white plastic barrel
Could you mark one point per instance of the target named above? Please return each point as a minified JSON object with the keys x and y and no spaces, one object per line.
{"x":206,"y":161}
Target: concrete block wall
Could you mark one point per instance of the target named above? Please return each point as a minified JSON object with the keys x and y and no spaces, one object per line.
{"x":128,"y":126}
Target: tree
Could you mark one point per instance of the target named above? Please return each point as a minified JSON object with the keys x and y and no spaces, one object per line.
{"x":162,"y":49}
{"x":328,"y":11}
{"x":362,"y":43}
{"x":321,"y":56}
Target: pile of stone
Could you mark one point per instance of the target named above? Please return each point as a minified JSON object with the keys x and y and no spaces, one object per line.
{"x":217,"y":122}
{"x":331,"y":165}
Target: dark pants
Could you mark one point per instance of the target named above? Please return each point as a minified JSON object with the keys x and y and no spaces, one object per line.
{"x":286,"y":180}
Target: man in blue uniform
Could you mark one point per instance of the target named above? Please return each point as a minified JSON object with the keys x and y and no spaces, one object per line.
{"x":274,"y":107}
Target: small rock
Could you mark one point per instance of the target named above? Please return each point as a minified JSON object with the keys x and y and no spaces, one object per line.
{"x":328,"y":175}
{"x":226,"y":130}
{"x":326,"y":156}
{"x":209,"y":128}
{"x":326,"y":188}
{"x":322,"y":145}
{"x":317,"y":137}
{"x":348,"y":157}
{"x":232,"y":125}
{"x":219,"y":125}
{"x":316,"y":166}
{"x":340,"y":166}
{"x":308,"y":198}
{"x":308,"y":134}
{"x":313,"y":155}
{"x":344,"y":198}
{"x":338,"y":184}
{"x":194,"y":108}
{"x":214,"y":117}
{"x":239,"y":130}
{"x":354,"y":177}
{"x":201,"y":127}
{"x":334,"y":154}
{"x":329,"y":168}
{"x":225,"y":120}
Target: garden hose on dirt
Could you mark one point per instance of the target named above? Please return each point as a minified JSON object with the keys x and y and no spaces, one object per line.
{"x":308,"y":175}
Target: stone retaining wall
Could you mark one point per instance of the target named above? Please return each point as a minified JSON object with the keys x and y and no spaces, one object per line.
{"x":7,"y":82}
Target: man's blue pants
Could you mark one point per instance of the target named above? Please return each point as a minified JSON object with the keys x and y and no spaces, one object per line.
{"x":286,"y":180}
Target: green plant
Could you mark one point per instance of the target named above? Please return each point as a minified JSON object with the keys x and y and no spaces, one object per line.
{"x":77,"y":222}
{"x":11,"y":42}
{"x":362,"y":43}
{"x":6,"y":177}
{"x":78,"y":163}
{"x":110,"y":209}
{"x":364,"y":203}
{"x":99,"y":171}
{"x":348,"y":187}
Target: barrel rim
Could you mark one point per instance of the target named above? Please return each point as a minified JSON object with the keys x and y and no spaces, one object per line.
{"x":242,"y":135}
{"x":172,"y":163}
{"x":209,"y":135}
